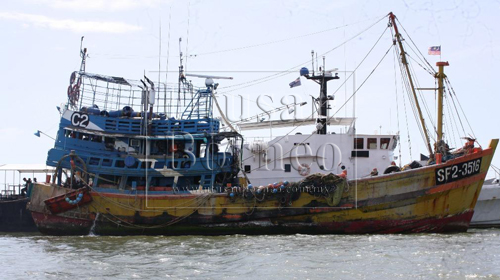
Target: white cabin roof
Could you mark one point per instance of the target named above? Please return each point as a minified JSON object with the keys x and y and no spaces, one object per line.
{"x":293,"y":122}
{"x":27,"y":168}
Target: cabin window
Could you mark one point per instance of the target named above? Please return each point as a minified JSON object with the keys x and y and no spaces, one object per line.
{"x":371,"y":143}
{"x":360,"y":154}
{"x":248,"y":169}
{"x":384,"y":143}
{"x":94,"y":161}
{"x":84,"y":136}
{"x":108,"y":181}
{"x":288,"y":168}
{"x":135,"y":143}
{"x":106,"y":162}
{"x":109,"y":143}
{"x":96,"y":138}
{"x":395,"y":142}
{"x":203,"y":148}
{"x":358,"y":143}
{"x":161,"y":146}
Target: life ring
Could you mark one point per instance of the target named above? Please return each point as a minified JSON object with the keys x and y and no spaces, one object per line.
{"x":74,"y":92}
{"x":72,"y":78}
{"x":70,"y":91}
{"x":304,"y":169}
{"x":392,"y":169}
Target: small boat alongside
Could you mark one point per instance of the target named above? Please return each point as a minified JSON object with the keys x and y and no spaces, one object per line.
{"x":487,"y":210}
{"x":14,"y":196}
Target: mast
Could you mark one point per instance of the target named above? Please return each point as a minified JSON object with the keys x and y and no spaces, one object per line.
{"x":322,"y":79}
{"x":392,"y":18}
{"x":83,"y":55}
{"x":440,"y":77}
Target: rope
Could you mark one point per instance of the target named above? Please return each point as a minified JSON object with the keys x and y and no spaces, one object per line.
{"x":129,"y":207}
{"x":452,"y":121}
{"x":223,"y":116}
{"x":397,"y":102}
{"x":283,"y":40}
{"x":345,"y":103}
{"x":328,"y":119}
{"x":280,"y":74}
{"x":131,"y":225}
{"x":418,"y":50}
{"x":455,"y":95}
{"x":495,"y":169}
{"x":406,"y":85}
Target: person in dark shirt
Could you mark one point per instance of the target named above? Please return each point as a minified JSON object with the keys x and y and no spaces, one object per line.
{"x":26,"y":184}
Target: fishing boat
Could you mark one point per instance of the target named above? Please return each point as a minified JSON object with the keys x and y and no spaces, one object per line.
{"x":14,"y":196}
{"x":138,"y":157}
{"x":487,"y":210}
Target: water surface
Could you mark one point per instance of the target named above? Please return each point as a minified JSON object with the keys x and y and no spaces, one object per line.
{"x":472,"y":255}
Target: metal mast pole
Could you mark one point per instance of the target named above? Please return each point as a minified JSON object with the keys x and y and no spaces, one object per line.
{"x":440,"y":77}
{"x":392,"y":18}
{"x":322,"y":79}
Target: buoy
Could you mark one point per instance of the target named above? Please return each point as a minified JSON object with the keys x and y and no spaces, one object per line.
{"x":282,"y":186}
{"x":231,"y":194}
{"x":285,"y":183}
{"x":275,"y":191}
{"x":249,"y":186}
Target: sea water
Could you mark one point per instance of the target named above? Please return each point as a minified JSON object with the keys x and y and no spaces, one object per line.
{"x":472,"y":255}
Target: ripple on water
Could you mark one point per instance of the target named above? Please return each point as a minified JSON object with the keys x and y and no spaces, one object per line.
{"x":472,"y":255}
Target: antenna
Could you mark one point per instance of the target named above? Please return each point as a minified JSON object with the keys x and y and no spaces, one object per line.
{"x":83,"y":55}
{"x":159,"y":67}
{"x":323,"y":65}
{"x":182,"y":78}
{"x":322,"y":79}
{"x":166,"y":70}
{"x":317,"y":64}
{"x":312,"y":61}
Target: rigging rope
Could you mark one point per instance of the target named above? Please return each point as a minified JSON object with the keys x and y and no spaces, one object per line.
{"x":451,"y":120}
{"x":397,"y":102}
{"x":422,"y":57}
{"x":280,"y":74}
{"x":329,"y":118}
{"x":284,"y":40}
{"x":310,"y":116}
{"x":447,"y":81}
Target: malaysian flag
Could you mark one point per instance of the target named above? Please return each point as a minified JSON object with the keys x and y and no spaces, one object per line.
{"x":295,"y":83}
{"x":435,"y":50}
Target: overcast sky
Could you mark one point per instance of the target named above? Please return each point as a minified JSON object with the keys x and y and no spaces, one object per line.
{"x":247,"y":40}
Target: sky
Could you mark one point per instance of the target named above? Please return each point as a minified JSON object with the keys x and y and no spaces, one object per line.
{"x":247,"y":40}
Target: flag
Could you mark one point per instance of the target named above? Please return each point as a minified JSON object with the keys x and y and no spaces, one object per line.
{"x":295,"y":83}
{"x":435,"y":50}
